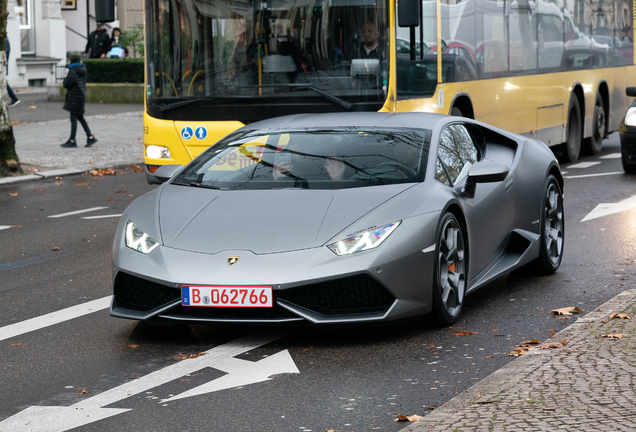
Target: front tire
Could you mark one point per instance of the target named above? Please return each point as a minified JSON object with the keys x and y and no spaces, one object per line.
{"x":594,"y":144}
{"x":552,"y":227}
{"x":450,"y":272}
{"x":572,"y":147}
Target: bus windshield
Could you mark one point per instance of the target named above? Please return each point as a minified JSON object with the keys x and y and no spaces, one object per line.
{"x":295,"y":52}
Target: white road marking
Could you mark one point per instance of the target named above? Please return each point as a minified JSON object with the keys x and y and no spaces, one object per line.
{"x":77,"y":212}
{"x":102,"y":216}
{"x":611,"y":156}
{"x":594,"y":175}
{"x":584,"y":165}
{"x":239,"y":373}
{"x":609,"y":209}
{"x":3,"y":227}
{"x":52,"y":318}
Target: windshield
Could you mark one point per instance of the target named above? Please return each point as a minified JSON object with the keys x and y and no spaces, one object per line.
{"x":318,"y":159}
{"x":294,"y":52}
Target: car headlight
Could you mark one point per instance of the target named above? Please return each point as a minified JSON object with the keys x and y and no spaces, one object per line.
{"x":157,"y":152}
{"x":630,"y":117}
{"x":363,"y":241}
{"x":138,"y":240}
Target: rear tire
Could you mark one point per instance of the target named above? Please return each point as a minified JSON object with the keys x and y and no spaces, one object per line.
{"x":450,"y":271}
{"x":552,"y":227}
{"x":572,"y":146}
{"x":594,"y":144}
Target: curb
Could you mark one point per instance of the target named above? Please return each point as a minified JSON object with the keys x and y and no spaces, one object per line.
{"x":508,"y":376}
{"x":61,"y":172}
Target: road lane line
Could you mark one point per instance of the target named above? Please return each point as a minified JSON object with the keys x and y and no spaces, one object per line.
{"x":611,"y":156}
{"x":52,"y":318}
{"x":594,"y":175}
{"x":3,"y":227}
{"x":102,"y":216}
{"x":77,"y":212}
{"x":581,"y":165}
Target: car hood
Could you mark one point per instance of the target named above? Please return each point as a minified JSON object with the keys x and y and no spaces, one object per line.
{"x":262,"y":221}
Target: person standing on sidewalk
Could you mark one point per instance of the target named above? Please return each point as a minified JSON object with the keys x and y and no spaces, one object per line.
{"x":14,"y":98}
{"x":98,"y":42}
{"x":75,"y":85}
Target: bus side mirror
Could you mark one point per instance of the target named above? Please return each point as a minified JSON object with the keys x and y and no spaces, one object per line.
{"x":409,"y":13}
{"x":630,"y":91}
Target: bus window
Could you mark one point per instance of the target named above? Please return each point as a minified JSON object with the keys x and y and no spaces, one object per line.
{"x":522,"y":35}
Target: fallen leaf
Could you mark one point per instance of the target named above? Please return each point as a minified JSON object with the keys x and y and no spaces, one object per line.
{"x":133,"y":346}
{"x":15,"y":122}
{"x":13,"y":194}
{"x":39,"y":190}
{"x":58,"y":178}
{"x":465,"y":333}
{"x":19,"y":344}
{"x":489,"y":356}
{"x":136,"y":168}
{"x":105,"y":171}
{"x":566,"y":310}
{"x":551,"y":333}
{"x":530,"y":342}
{"x":82,"y":392}
{"x":55,"y":249}
{"x":621,"y":316}
{"x":81,"y":184}
{"x":412,"y":418}
{"x":181,"y":356}
{"x":32,"y":107}
{"x":500,"y":334}
{"x":613,"y":336}
{"x":121,"y":191}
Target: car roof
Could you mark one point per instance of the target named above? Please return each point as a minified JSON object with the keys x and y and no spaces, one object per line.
{"x":354,"y":119}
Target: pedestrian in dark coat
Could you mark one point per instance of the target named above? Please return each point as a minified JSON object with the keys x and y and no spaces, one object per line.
{"x":75,"y":84}
{"x":98,"y":42}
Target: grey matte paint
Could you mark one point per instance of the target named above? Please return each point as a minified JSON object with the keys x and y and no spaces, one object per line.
{"x":281,"y":235}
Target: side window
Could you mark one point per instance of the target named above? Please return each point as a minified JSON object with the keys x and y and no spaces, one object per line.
{"x":440,"y":174}
{"x":457,"y":152}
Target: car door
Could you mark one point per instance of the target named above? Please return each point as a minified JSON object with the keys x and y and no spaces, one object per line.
{"x":490,"y":213}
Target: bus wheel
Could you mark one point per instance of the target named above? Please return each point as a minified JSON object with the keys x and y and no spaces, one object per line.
{"x":456,"y":112}
{"x":594,"y":143}
{"x":572,"y":145}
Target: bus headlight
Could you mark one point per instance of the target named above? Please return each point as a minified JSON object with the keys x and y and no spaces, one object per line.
{"x":157,"y":152}
{"x":630,"y":117}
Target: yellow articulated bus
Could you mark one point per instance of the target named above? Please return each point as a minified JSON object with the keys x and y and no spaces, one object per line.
{"x":554,"y":71}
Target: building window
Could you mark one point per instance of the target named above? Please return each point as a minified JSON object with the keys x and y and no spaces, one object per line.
{"x":24,"y":14}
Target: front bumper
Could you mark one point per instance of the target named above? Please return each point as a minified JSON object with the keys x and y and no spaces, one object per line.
{"x":389,"y":283}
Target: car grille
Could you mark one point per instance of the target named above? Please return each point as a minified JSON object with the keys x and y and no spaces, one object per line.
{"x":350,"y":295}
{"x":139,"y":294}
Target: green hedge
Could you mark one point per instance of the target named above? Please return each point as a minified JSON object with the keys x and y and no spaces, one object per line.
{"x":129,"y":70}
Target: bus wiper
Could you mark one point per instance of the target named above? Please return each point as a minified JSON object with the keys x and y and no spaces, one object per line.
{"x":327,"y":95}
{"x":167,"y":107}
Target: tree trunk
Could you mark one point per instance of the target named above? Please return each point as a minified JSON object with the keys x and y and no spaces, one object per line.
{"x":9,"y":162}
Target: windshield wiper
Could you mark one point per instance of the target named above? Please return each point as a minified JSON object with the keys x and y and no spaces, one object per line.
{"x":166,"y":107}
{"x":327,"y":95}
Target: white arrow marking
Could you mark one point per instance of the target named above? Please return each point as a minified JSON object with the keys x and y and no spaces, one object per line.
{"x":240,"y":372}
{"x":3,"y":227}
{"x":611,"y":208}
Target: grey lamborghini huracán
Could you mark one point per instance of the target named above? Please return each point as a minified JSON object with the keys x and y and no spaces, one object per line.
{"x":339,"y":218}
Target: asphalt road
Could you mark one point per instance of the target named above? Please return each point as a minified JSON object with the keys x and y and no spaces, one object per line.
{"x":346,"y":379}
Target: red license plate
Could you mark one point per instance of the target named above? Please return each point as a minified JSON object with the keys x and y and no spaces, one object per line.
{"x":227,"y":296}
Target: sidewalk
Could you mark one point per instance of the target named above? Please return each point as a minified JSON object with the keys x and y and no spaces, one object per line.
{"x":40,"y":127}
{"x":585,"y":385}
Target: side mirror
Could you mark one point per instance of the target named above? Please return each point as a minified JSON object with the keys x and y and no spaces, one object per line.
{"x":409,"y":12}
{"x":484,"y":172}
{"x":630,"y":91}
{"x":166,"y":172}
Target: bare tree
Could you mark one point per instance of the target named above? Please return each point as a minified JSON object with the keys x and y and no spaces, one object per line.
{"x":9,"y":162}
